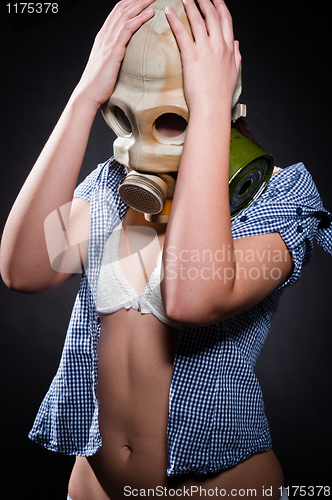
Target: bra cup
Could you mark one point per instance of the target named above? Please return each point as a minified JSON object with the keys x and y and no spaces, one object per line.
{"x":115,"y":292}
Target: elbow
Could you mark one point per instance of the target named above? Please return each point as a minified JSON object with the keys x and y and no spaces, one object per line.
{"x":175,"y":309}
{"x":9,"y":281}
{"x":194,"y":313}
{"x":15,"y":282}
{"x":196,"y":305}
{"x":10,"y":274}
{"x":20,"y":277}
{"x":18,"y":274}
{"x":175,"y":312}
{"x":8,"y":277}
{"x":21,"y":281}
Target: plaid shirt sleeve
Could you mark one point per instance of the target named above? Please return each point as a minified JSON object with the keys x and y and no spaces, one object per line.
{"x":291,"y":206}
{"x":86,"y":188}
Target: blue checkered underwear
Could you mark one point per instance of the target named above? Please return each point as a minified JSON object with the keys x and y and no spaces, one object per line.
{"x":216,"y":410}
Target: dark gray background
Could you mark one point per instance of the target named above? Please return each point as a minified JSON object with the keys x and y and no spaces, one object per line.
{"x":286,"y":75}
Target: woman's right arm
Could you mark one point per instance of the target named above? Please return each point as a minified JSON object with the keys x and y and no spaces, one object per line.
{"x":25,"y":264}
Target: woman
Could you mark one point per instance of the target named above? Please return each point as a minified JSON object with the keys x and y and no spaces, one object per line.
{"x":183,"y":400}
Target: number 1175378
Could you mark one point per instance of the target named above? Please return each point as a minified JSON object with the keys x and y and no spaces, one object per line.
{"x":33,"y":8}
{"x":307,"y":491}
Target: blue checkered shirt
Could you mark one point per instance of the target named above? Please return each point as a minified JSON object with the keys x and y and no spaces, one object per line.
{"x":216,"y":411}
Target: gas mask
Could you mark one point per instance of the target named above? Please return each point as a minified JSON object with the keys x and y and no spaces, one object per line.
{"x":148,"y":113}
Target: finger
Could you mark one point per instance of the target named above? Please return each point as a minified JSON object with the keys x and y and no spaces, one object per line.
{"x":123,"y":11}
{"x":133,"y":9}
{"x":136,"y":6}
{"x":129,"y":27}
{"x":181,"y":34}
{"x":196,"y":20}
{"x":237,"y":55}
{"x":211,"y":18}
{"x":226,"y":21}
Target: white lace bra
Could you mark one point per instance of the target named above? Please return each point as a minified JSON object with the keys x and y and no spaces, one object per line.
{"x":114,"y":291}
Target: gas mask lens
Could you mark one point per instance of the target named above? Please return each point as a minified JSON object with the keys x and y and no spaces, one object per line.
{"x":170,"y":125}
{"x":122,"y":120}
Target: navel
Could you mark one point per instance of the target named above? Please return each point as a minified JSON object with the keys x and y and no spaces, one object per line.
{"x":126,"y":451}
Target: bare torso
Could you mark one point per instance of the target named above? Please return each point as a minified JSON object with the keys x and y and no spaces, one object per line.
{"x":136,"y":353}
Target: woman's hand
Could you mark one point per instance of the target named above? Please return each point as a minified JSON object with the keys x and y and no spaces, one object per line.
{"x":25,"y":262}
{"x":99,"y":77}
{"x":212,"y":60}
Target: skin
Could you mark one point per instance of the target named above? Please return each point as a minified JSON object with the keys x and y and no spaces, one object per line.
{"x":210,"y":66}
{"x":136,"y":351}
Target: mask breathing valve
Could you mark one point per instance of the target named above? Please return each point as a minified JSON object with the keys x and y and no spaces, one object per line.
{"x":147,"y":193}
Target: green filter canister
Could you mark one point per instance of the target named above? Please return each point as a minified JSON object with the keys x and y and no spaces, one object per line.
{"x":250,"y":170}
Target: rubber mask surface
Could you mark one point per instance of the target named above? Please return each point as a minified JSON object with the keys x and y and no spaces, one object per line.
{"x":148,"y":110}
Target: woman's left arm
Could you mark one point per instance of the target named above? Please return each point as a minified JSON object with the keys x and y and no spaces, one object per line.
{"x":201,"y":284}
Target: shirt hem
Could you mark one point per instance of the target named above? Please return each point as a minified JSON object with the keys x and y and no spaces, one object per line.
{"x":213,"y":468}
{"x":86,"y":452}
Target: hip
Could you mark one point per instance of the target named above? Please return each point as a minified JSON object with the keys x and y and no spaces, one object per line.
{"x":96,"y":479}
